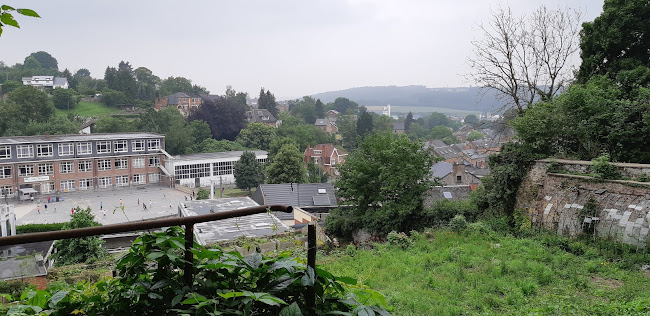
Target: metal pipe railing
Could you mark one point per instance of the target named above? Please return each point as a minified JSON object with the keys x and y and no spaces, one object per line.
{"x":133,"y":226}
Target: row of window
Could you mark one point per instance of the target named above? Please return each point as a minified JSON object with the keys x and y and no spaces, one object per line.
{"x":45,"y":169}
{"x":85,"y":184}
{"x":68,"y":149}
{"x":203,"y":169}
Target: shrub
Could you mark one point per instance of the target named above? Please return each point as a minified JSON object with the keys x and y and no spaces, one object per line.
{"x":458,"y":223}
{"x":37,"y":228}
{"x":603,"y":169}
{"x":444,"y":210}
{"x":202,"y":194}
{"x":399,"y":239}
{"x":13,"y":288}
{"x":480,"y":228}
{"x":351,"y":250}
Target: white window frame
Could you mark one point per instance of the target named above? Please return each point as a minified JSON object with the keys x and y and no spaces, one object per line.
{"x":140,"y":178}
{"x":44,"y":150}
{"x":153,"y":144}
{"x":66,"y":167}
{"x":104,"y":164}
{"x":3,"y":174}
{"x":122,"y":181}
{"x":154,"y":161}
{"x":103,"y":147}
{"x":6,"y":189}
{"x":85,"y":166}
{"x":121,"y":163}
{"x":45,"y":169}
{"x":63,"y":151}
{"x":24,"y":151}
{"x":120,"y":146}
{"x":85,"y":184}
{"x":67,"y":185}
{"x":5,"y":152}
{"x":49,"y":186}
{"x":138,"y":162}
{"x":27,"y":173}
{"x":85,"y":148}
{"x":105,"y":182}
{"x":154,"y":177}
{"x":138,"y":145}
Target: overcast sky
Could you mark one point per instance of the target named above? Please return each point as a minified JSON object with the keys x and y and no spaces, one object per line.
{"x":293,"y":48}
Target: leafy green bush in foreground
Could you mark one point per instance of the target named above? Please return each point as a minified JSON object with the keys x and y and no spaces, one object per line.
{"x":150,"y":282}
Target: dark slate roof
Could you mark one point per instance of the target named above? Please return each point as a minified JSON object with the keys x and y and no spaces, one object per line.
{"x":60,"y":82}
{"x":321,"y":122}
{"x":18,"y":260}
{"x":477,"y":172}
{"x":297,"y":194}
{"x":173,"y":98}
{"x":446,"y":152}
{"x":452,"y":192}
{"x":398,"y":126}
{"x":441,"y":169}
{"x":257,"y":116}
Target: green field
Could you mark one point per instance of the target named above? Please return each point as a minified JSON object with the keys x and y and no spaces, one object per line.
{"x":93,"y":109}
{"x":446,"y":273}
{"x":422,"y":109}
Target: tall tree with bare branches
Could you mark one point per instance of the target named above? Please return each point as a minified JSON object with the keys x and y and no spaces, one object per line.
{"x":526,"y":58}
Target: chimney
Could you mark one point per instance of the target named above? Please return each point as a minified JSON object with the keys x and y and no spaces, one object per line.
{"x":459,"y":170}
{"x":47,"y":135}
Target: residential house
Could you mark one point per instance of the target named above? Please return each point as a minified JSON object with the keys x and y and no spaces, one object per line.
{"x":484,"y":146}
{"x":463,"y":132}
{"x":454,"y":174}
{"x":472,"y":157}
{"x":327,"y":124}
{"x":181,"y":100}
{"x":448,"y":154}
{"x":262,"y":116}
{"x":398,"y":128}
{"x":42,"y":82}
{"x":316,"y":199}
{"x":436,"y":143}
{"x":332,"y":113}
{"x":326,"y":156}
{"x":447,"y":192}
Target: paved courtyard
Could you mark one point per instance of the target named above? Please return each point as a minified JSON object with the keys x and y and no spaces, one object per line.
{"x":164,"y":202}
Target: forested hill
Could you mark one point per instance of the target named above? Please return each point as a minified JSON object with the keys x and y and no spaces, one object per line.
{"x":462,"y":98}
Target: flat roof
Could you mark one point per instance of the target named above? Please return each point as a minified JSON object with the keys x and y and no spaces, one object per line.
{"x":217,"y":155}
{"x":75,"y":137}
{"x":258,"y":225}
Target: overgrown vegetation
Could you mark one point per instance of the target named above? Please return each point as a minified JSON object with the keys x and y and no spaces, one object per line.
{"x":480,"y":271}
{"x":37,"y":228}
{"x":150,"y":282}
{"x":79,"y":250}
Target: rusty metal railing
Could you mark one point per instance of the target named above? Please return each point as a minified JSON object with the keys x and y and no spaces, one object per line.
{"x":188,"y":222}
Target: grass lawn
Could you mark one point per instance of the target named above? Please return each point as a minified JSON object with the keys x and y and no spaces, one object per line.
{"x":446,"y":273}
{"x":94,"y":109}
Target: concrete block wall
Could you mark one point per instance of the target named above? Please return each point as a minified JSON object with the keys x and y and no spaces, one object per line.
{"x":620,"y":210}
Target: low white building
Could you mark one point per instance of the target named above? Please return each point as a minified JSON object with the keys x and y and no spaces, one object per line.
{"x":202,"y":170}
{"x":46,"y":82}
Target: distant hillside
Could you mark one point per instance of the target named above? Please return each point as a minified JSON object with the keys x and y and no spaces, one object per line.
{"x":462,"y":98}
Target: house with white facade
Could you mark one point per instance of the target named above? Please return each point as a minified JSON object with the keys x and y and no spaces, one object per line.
{"x":42,"y":82}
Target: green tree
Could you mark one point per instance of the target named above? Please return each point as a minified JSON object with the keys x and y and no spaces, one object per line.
{"x":474,"y":135}
{"x":210,"y":145}
{"x":7,"y":18}
{"x":364,"y":124}
{"x":381,"y":123}
{"x":45,"y":60}
{"x":417,"y":132}
{"x":172,"y":85}
{"x":200,"y":131}
{"x":178,"y":135}
{"x":287,"y":166}
{"x":440,"y":132}
{"x":471,"y":119}
{"x":342,"y":105}
{"x":248,"y":171}
{"x":266,"y":100}
{"x":32,"y":105}
{"x":384,"y":181}
{"x":110,"y":124}
{"x":79,"y":250}
{"x":407,"y":121}
{"x":202,"y":194}
{"x":32,"y":63}
{"x":278,"y":143}
{"x":112,"y":97}
{"x":303,"y":134}
{"x":616,"y":41}
{"x":437,"y":119}
{"x":348,"y":130}
{"x":320,"y":109}
{"x":236,"y":97}
{"x":315,"y":174}
{"x":147,"y":83}
{"x":10,"y":85}
{"x":305,"y":109}
{"x":225,"y":118}
{"x":257,"y":136}
{"x":64,"y":99}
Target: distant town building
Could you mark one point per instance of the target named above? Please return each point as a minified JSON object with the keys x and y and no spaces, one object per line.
{"x":203,"y":170}
{"x":181,"y":100}
{"x":327,"y":124}
{"x":454,"y":174}
{"x":262,"y":116}
{"x":43,"y":82}
{"x":398,"y":128}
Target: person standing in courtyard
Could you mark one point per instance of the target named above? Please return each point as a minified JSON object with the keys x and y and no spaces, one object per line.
{"x":104,"y":212}
{"x":101,"y":206}
{"x":120,"y":202}
{"x":45,"y":207}
{"x":38,"y":209}
{"x":144,"y":206}
{"x":149,"y":204}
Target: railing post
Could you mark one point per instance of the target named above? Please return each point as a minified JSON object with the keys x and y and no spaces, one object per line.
{"x":189,"y":257}
{"x":311,"y":262}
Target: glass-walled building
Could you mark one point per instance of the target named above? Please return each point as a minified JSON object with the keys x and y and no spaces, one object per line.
{"x":201,"y":170}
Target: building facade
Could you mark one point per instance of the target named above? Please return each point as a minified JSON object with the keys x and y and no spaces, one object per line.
{"x":63,"y":163}
{"x":326,"y":156}
{"x":42,"y":82}
{"x":202,"y":170}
